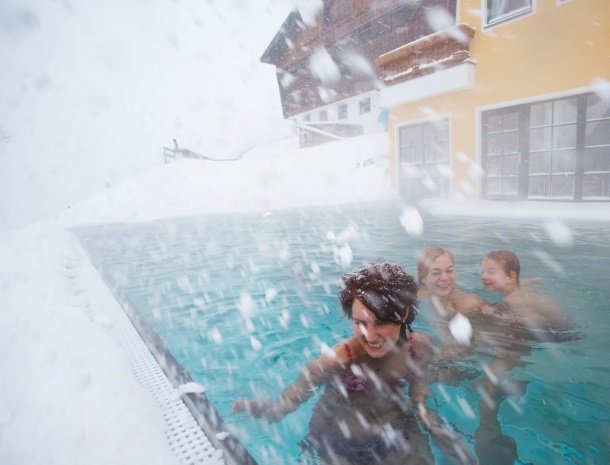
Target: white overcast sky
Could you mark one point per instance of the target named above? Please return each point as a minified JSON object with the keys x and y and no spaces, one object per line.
{"x":91,"y":91}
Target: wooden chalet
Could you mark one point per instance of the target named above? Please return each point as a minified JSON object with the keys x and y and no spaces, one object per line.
{"x":368,"y":42}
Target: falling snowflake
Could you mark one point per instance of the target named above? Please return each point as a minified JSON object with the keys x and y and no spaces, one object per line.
{"x":411,"y":220}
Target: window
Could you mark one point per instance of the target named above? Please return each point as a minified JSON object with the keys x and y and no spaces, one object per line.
{"x":306,"y":118}
{"x":365,"y":105}
{"x":502,"y":149}
{"x":323,"y":115}
{"x":555,"y":149}
{"x":596,"y":150}
{"x":552,"y":149}
{"x":502,"y":10}
{"x":424,"y":158}
{"x":342,"y":111}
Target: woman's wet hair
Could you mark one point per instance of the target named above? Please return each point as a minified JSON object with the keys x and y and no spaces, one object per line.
{"x":426,"y":259}
{"x":385,"y":289}
{"x":508,"y":260}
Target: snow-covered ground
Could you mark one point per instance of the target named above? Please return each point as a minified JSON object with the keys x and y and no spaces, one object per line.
{"x":68,"y":394}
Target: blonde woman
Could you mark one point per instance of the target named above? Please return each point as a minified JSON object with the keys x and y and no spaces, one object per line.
{"x":437,"y":279}
{"x":451,"y":308}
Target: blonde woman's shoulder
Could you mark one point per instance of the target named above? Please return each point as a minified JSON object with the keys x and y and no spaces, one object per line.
{"x":423,"y":293}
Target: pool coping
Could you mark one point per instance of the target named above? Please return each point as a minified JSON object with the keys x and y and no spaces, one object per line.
{"x":202,"y":412}
{"x":198,"y":404}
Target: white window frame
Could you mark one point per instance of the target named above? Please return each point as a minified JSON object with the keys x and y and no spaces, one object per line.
{"x":423,"y":165}
{"x":574,"y":92}
{"x":508,"y":17}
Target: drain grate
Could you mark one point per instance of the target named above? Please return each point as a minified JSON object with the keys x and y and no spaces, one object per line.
{"x":186,"y":439}
{"x":184,"y":435}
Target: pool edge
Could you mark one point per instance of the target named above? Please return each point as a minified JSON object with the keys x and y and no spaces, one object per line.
{"x":201,"y":411}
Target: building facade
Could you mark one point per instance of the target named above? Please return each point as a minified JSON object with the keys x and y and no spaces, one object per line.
{"x":494,"y":99}
{"x":525,"y":117}
{"x":326,"y":69}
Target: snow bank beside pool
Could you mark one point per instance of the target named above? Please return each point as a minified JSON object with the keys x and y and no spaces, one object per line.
{"x":68,"y":394}
{"x":272,"y":176}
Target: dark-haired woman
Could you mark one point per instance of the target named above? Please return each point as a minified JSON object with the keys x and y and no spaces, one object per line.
{"x":373,"y":406}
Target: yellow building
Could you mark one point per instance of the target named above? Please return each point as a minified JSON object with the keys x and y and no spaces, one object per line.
{"x":512,"y":101}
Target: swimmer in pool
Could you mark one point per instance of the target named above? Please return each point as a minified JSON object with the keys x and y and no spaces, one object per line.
{"x":453,"y":314}
{"x":523,"y":316}
{"x":437,"y":278}
{"x":373,"y":407}
{"x":534,"y":315}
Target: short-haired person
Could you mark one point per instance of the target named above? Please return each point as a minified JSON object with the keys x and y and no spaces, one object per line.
{"x":522,"y":316}
{"x":531,"y":314}
{"x":364,"y":415}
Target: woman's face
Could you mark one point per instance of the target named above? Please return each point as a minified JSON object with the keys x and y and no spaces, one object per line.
{"x":377,"y":337}
{"x":440,"y":280}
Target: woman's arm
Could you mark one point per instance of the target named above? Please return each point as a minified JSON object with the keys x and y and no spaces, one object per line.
{"x":446,"y":439}
{"x":467,"y":303}
{"x":315,"y":373}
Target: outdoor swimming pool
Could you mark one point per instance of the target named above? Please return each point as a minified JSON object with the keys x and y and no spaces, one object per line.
{"x":242,"y":301}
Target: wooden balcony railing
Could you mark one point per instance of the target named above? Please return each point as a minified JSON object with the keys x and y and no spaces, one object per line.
{"x":426,"y":55}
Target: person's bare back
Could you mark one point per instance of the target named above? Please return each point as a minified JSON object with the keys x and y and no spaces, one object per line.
{"x":536,"y":311}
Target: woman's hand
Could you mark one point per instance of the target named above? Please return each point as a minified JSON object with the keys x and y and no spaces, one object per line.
{"x":451,"y":444}
{"x":314,"y":374}
{"x":444,"y":438}
{"x":268,"y":410}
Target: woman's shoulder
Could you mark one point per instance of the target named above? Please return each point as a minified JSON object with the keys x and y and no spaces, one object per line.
{"x":344,"y":352}
{"x":423,"y":293}
{"x":331,"y":359}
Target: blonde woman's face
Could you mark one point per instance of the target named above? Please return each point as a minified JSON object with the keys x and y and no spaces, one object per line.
{"x":440,"y":280}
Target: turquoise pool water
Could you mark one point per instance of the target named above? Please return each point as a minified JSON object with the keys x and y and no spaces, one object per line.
{"x":243,"y":301}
